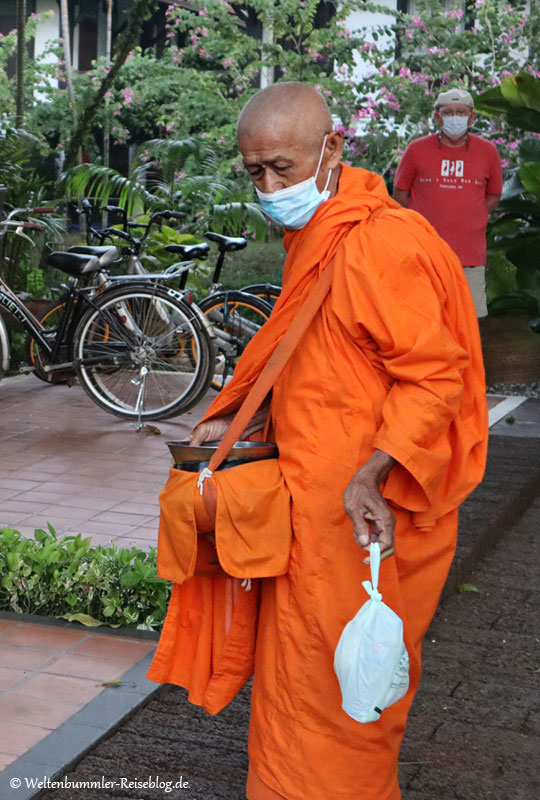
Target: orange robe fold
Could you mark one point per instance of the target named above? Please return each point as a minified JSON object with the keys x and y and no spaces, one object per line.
{"x":392,"y":361}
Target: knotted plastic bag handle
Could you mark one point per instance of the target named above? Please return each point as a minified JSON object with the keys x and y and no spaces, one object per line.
{"x":371,"y":587}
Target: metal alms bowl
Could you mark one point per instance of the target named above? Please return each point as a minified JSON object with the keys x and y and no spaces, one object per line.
{"x":186,"y":456}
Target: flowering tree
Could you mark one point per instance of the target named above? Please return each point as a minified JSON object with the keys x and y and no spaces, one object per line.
{"x":436,"y":48}
{"x":214,"y":58}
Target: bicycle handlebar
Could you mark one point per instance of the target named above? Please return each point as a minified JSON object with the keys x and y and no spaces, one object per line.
{"x":122,"y":235}
{"x":42,"y":210}
{"x":172,"y":214}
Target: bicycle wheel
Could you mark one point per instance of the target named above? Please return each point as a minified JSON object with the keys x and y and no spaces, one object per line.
{"x":236,"y":317}
{"x":4,"y":349}
{"x":268,"y":292}
{"x":143,"y":353}
{"x":35,"y":355}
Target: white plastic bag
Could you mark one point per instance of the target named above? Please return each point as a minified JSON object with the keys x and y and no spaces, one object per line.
{"x":371,"y":661}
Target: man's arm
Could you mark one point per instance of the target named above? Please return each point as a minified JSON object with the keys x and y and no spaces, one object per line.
{"x":382,"y":289}
{"x":492,"y":201}
{"x":215,"y":429}
{"x":402,"y":197}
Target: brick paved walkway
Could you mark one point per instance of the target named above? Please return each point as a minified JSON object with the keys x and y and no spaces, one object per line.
{"x":68,"y":462}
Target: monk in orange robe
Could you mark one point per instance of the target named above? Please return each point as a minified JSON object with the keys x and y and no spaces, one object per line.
{"x":381,"y":422}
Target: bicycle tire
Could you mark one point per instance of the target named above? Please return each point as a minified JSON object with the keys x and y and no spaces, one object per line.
{"x":4,"y":349}
{"x":143,"y":327}
{"x":269,"y":292}
{"x":233,"y":330}
{"x":34,"y":356}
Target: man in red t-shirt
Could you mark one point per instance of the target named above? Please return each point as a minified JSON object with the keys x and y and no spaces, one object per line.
{"x":454,"y":179}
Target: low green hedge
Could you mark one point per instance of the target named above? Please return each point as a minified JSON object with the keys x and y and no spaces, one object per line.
{"x":68,"y":578}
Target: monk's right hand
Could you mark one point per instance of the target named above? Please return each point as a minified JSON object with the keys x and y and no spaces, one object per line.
{"x":213,"y":430}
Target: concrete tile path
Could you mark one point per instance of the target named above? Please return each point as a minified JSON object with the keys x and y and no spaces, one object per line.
{"x":65,"y":461}
{"x":49,"y":673}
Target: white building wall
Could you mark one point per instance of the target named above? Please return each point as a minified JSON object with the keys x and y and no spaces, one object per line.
{"x":46,"y":31}
{"x":370,"y":20}
{"x":49,"y":28}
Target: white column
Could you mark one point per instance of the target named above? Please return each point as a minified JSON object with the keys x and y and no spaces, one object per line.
{"x":267,"y":73}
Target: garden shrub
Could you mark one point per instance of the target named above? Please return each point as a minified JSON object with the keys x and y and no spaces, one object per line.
{"x":69,"y":578}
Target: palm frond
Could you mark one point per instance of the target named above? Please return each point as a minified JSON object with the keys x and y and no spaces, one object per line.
{"x":94,"y":180}
{"x":236,"y":217}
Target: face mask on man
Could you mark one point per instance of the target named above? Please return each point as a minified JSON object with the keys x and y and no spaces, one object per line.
{"x":293,"y":207}
{"x":455,"y":127}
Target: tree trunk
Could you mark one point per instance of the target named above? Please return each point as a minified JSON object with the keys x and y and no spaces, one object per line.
{"x":108,"y":51}
{"x":67,"y":55}
{"x":21,"y":44}
{"x":107,"y":124}
{"x":126,"y":41}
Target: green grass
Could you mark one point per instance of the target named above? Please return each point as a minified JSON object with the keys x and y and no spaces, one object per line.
{"x":260,"y":262}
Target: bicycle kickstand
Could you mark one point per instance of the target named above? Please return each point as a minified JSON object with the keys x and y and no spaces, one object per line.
{"x":139,"y":406}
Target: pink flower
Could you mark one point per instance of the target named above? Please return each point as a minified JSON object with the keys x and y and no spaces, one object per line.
{"x":419,"y":23}
{"x":228,"y":63}
{"x":505,"y":163}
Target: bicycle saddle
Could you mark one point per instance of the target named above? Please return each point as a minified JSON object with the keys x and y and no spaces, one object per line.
{"x":74,"y":264}
{"x":106,"y":254}
{"x":189,"y":250}
{"x":229,"y":243}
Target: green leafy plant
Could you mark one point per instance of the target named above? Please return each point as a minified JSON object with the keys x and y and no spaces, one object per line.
{"x":67,"y":577}
{"x":516,"y":231}
{"x":176,"y":175}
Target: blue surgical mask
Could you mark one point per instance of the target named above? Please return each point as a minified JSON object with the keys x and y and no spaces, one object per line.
{"x":455,"y":127}
{"x":293,"y":207}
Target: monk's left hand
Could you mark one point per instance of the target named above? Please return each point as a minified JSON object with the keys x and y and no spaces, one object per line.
{"x":372,"y":518}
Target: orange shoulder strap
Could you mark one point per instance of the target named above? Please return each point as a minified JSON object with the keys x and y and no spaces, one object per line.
{"x":274,"y":366}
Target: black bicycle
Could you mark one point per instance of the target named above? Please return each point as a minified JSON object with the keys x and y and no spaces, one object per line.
{"x":138,"y":348}
{"x":233,"y":316}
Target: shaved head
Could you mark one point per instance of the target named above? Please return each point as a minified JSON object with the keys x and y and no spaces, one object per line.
{"x":284,"y":131}
{"x":296,"y":106}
